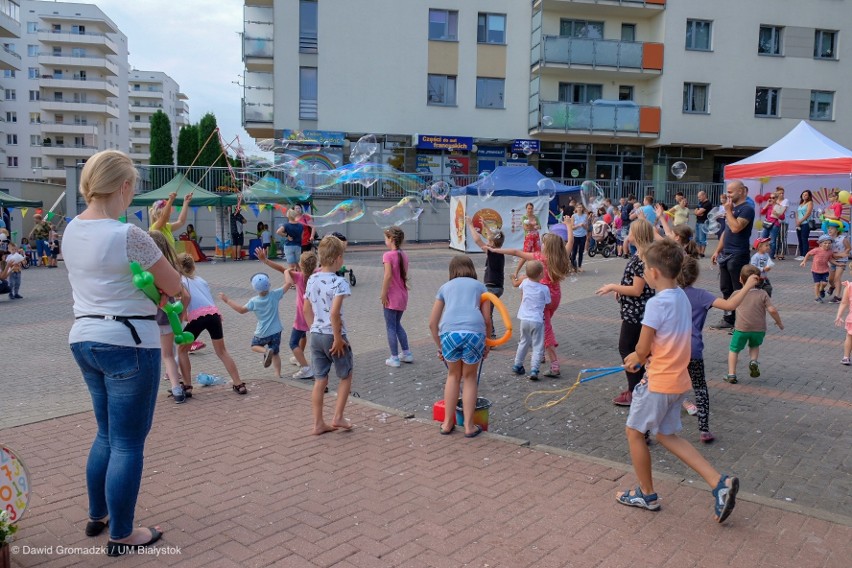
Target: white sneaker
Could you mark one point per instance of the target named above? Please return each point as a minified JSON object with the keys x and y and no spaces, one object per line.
{"x":293,"y":361}
{"x":800,"y":258}
{"x":392,"y":362}
{"x":304,"y":373}
{"x":407,"y":358}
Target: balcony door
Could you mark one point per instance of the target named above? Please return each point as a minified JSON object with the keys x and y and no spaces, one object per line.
{"x":579,"y":92}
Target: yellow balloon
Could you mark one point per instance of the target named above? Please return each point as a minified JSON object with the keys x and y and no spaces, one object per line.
{"x":758,"y":225}
{"x":843,"y":197}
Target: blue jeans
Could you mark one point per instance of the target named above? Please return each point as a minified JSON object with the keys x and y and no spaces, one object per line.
{"x":772,"y":233}
{"x":123,"y":384}
{"x":803,"y":231}
{"x":43,"y":248}
{"x":393,"y":325}
{"x":700,"y":234}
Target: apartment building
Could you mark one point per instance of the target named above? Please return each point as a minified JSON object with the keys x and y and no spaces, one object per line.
{"x":615,"y":90}
{"x":68,"y":99}
{"x":149,"y":92}
{"x":10,"y":29}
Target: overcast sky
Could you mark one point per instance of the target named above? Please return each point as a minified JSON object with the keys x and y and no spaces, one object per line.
{"x":196,"y":42}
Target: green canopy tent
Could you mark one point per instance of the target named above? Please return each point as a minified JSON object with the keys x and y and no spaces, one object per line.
{"x":7,"y":200}
{"x":181,"y":185}
{"x":270,"y":190}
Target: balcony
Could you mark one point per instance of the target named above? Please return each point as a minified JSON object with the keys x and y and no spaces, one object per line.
{"x":143,"y":108}
{"x":69,"y":151}
{"x":142,"y":140}
{"x":76,"y":83}
{"x":617,"y":8}
{"x":107,"y":108}
{"x":104,"y":64}
{"x":258,"y":54}
{"x":88,"y":39}
{"x":9,"y":59}
{"x":10,"y":20}
{"x":620,"y":119}
{"x":53,"y":173}
{"x":143,"y":124}
{"x":257,"y":119}
{"x":69,"y":128}
{"x":145,"y":93}
{"x":612,"y":56}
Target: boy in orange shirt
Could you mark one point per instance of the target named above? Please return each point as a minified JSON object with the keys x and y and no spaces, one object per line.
{"x":657,"y":399}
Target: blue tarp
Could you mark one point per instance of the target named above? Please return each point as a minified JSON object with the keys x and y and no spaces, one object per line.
{"x":514,"y":181}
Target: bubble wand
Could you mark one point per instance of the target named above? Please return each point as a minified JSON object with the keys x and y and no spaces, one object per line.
{"x":584,"y":376}
{"x":144,"y":280}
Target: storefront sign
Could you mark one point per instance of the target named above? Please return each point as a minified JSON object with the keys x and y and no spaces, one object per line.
{"x":491,"y":152}
{"x":313,"y":136}
{"x":520,"y":144}
{"x":436,"y":142}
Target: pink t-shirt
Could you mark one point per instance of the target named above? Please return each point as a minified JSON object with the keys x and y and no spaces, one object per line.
{"x":821,"y":257}
{"x":836,"y":208}
{"x":299,"y":322}
{"x":397,"y":292}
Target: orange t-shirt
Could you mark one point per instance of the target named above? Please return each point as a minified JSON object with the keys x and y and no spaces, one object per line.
{"x":669,"y":313}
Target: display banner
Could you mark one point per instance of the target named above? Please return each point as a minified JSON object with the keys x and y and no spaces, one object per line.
{"x":504,"y":213}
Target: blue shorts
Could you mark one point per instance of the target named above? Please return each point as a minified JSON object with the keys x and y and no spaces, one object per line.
{"x":296,"y":337}
{"x":655,"y":411}
{"x":273,"y":341}
{"x":292,"y":253}
{"x":819,"y":277}
{"x":464,"y":345}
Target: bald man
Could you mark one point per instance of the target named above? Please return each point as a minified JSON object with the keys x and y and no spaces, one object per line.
{"x":732,"y":252}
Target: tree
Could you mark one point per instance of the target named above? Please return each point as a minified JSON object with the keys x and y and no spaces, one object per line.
{"x":210,"y":155}
{"x":162,"y":151}
{"x":187,"y":145}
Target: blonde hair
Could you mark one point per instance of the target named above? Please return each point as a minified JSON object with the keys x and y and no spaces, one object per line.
{"x":186,"y":265}
{"x":157,"y":209}
{"x":534,"y":270}
{"x":330,"y":248}
{"x":308,"y":263}
{"x":641,"y":234}
{"x":165,"y":247}
{"x":291,"y":215}
{"x":554,"y":253}
{"x":104,"y":173}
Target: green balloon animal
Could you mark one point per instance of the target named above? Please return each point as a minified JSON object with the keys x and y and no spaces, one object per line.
{"x":144,"y":280}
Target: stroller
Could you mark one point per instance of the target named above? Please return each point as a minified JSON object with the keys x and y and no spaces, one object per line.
{"x":603,"y":240}
{"x":343,"y":272}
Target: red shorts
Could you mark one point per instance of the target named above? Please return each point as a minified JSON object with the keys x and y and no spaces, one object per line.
{"x":532,"y":243}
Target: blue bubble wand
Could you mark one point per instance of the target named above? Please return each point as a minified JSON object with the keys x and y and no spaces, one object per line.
{"x":584,"y":376}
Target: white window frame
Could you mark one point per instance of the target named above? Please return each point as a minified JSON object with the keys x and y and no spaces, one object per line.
{"x":35,"y":95}
{"x":692,"y":25}
{"x":821,"y":116}
{"x":776,"y":40}
{"x":12,"y":161}
{"x":773,"y":98}
{"x":448,"y":85}
{"x":581,"y":29}
{"x":819,"y":35}
{"x":11,"y":94}
{"x":489,"y":83}
{"x":32,"y":50}
{"x":486,"y":27}
{"x":586,"y":98}
{"x":36,"y":163}
{"x":451,"y":25}
{"x":12,"y":139}
{"x":688,"y":95}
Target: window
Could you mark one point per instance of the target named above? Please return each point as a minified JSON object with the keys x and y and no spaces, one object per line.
{"x":10,"y":94}
{"x":766,"y":101}
{"x":695,"y":97}
{"x":628,"y":32}
{"x":35,"y":163}
{"x":35,"y":117}
{"x":625,"y":92}
{"x":32,"y":27}
{"x":8,"y":73}
{"x":57,"y":51}
{"x":56,"y":28}
{"x":579,"y":92}
{"x":698,"y":34}
{"x":136,"y":118}
{"x":78,"y":30}
{"x":441,"y":90}
{"x":491,"y":28}
{"x":60,"y":163}
{"x":34,"y":95}
{"x":824,"y":44}
{"x":32,"y":50}
{"x":60,"y":141}
{"x":489,"y":93}
{"x":822,"y":105}
{"x":308,"y":93}
{"x":12,"y":161}
{"x":79,"y":142}
{"x":11,"y":116}
{"x":769,"y":40}
{"x":444,"y":25}
{"x":308,"y":26}
{"x":57,"y":96}
{"x":35,"y":140}
{"x":33,"y":73}
{"x":59,"y":118}
{"x":78,"y":52}
{"x":12,"y":139}
{"x":581,"y":29}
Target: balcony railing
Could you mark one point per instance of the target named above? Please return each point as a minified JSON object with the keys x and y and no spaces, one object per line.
{"x":85,"y":38}
{"x":626,"y":3}
{"x":608,"y":53}
{"x":257,"y":112}
{"x":599,"y":117}
{"x":257,"y":47}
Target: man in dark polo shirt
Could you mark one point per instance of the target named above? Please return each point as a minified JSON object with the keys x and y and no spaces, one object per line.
{"x":732,"y":252}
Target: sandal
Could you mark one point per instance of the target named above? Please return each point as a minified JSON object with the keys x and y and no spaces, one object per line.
{"x":725,"y":497}
{"x":187,"y":390}
{"x":732,"y":379}
{"x":240,"y":388}
{"x":635,"y":498}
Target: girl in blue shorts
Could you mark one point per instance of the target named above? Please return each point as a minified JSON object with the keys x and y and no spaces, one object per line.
{"x":460,"y":322}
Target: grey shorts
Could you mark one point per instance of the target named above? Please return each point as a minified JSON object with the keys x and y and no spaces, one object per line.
{"x":655,"y":411}
{"x":322,"y":359}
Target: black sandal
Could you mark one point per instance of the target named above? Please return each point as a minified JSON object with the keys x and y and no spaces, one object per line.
{"x":240,"y":388}
{"x":94,"y":528}
{"x":187,"y":390}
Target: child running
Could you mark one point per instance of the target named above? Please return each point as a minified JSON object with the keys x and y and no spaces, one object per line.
{"x":531,"y":313}
{"x":267,"y":334}
{"x":763,"y":261}
{"x":823,"y":256}
{"x":841,"y":248}
{"x":325,"y":292}
{"x":495,"y":264}
{"x":459,"y":323}
{"x":633,"y":293}
{"x":395,"y":296}
{"x":665,"y":337}
{"x":750,"y":328}
{"x":532,"y":238}
{"x":701,"y":301}
{"x":203,"y":315}
{"x":838,"y":320}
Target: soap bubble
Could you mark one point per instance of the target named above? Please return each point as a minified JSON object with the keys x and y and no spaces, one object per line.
{"x":547,"y":121}
{"x":527,"y":149}
{"x":591,"y":195}
{"x":344,"y":212}
{"x":363,"y":149}
{"x":273,"y":144}
{"x":514,"y":156}
{"x":408,"y":209}
{"x":485,"y":186}
{"x":440,"y":190}
{"x":546,"y":188}
{"x":712,"y":223}
{"x":678,"y":169}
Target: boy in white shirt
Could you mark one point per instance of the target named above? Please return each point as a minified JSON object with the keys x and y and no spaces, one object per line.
{"x":15,"y":261}
{"x":531,"y":313}
{"x":762,"y":260}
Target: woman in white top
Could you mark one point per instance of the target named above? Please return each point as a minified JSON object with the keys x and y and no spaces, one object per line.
{"x":116,"y":343}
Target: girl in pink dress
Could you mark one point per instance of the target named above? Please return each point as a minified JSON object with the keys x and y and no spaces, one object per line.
{"x":395,"y":296}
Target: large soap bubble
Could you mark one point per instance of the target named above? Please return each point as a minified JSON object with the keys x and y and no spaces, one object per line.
{"x":408,"y":209}
{"x":591,"y":195}
{"x":440,"y":190}
{"x":485,"y":186}
{"x":364,"y":149}
{"x":679,"y":169}
{"x":547,"y":121}
{"x":344,"y":212}
{"x":546,"y":188}
{"x":712,"y":223}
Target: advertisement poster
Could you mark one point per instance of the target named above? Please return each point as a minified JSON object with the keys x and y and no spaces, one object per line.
{"x":503,"y":213}
{"x":489,"y":157}
{"x":429,"y":167}
{"x":457,"y":223}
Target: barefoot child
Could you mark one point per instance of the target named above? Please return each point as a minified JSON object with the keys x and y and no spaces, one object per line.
{"x":531,"y":313}
{"x":838,"y":320}
{"x":459,"y":323}
{"x":267,"y":334}
{"x":325,"y":292}
{"x":665,"y":337}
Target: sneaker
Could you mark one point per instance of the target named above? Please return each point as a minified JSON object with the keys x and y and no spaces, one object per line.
{"x":845,"y":361}
{"x":267,"y":357}
{"x":197,"y":346}
{"x":18,"y":297}
{"x":706,"y":437}
{"x":725,"y":497}
{"x":822,"y":294}
{"x":553,"y":372}
{"x":304,"y":373}
{"x":753,"y":369}
{"x":690,"y":408}
{"x":533,"y":376}
{"x":800,"y":258}
{"x":293,"y":361}
{"x":624,"y":399}
{"x":818,"y":300}
{"x":830,"y":291}
{"x":732,"y":379}
{"x":833,"y":300}
{"x":723,"y":324}
{"x":392,"y":362}
{"x":407,"y":358}
{"x":635,"y":498}
{"x":179,"y":394}
{"x":518,"y":369}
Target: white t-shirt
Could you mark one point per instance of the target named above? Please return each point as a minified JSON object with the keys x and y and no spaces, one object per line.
{"x":265,"y":238}
{"x":199,"y":295}
{"x":320,"y":291}
{"x":536,"y":297}
{"x":762,"y":261}
{"x":97,"y":256}
{"x":780,"y":209}
{"x":14,"y":258}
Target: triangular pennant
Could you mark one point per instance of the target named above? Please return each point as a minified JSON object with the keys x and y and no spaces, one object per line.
{"x":195,"y":208}
{"x":68,"y":219}
{"x":138,"y":215}
{"x":123,"y":219}
{"x":50,"y":215}
{"x":38,"y":211}
{"x":209,"y":208}
{"x":178,"y":208}
{"x":24,"y":211}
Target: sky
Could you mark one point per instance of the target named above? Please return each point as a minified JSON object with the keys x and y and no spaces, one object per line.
{"x":195,"y":42}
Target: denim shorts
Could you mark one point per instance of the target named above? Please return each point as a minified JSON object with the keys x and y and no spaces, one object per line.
{"x":464,"y":345}
{"x":292,"y":253}
{"x":322,"y":359}
{"x":273,"y":341}
{"x":296,"y":337}
{"x":654,"y":411}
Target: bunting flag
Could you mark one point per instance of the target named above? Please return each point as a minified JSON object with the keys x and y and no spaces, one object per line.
{"x":24,"y":211}
{"x":50,"y":215}
{"x":195,"y":208}
{"x":262,"y":206}
{"x":123,"y":219}
{"x":139,"y":215}
{"x":209,"y":208}
{"x":38,"y":211}
{"x":254,"y":209}
{"x":178,"y":208}
{"x":68,"y":219}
